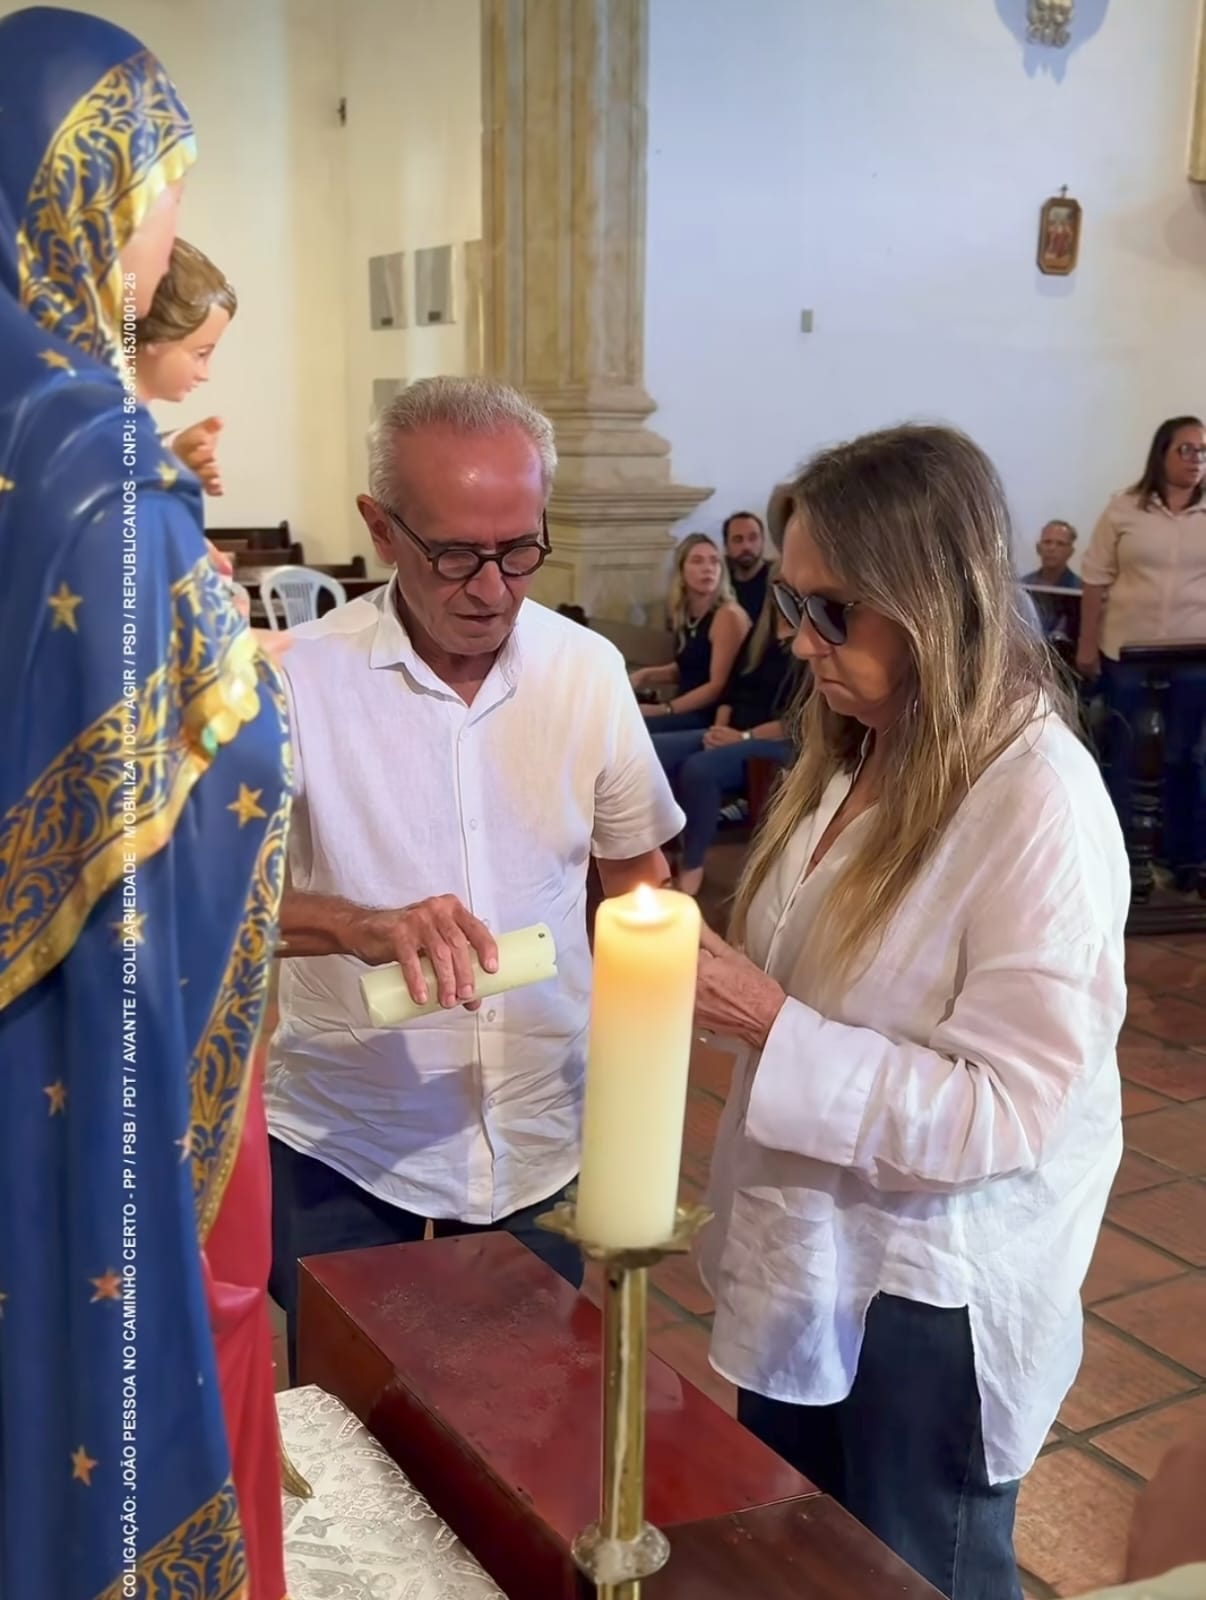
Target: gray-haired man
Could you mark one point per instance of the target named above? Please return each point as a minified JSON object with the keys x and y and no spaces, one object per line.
{"x":461,"y":752}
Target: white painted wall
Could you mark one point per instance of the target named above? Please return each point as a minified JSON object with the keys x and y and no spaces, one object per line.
{"x":290,"y":204}
{"x":884,"y":162}
{"x":413,"y":180}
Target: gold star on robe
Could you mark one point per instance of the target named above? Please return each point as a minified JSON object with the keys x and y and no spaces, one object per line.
{"x":167,"y":474}
{"x":57,"y":1095}
{"x":56,"y":359}
{"x":6,"y":484}
{"x":247,"y":807}
{"x":64,"y":605}
{"x":131,"y":927}
{"x":82,"y":1466}
{"x":185,"y":1145}
{"x":107,"y":1286}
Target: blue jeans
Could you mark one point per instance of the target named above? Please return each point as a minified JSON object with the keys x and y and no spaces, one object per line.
{"x":904,"y":1453}
{"x":1126,"y":695}
{"x":701,"y":779}
{"x":317,"y":1211}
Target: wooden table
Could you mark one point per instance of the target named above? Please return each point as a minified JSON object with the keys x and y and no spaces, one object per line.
{"x":479,"y":1371}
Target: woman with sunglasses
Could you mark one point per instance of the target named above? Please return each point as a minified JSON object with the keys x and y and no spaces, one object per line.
{"x":1145,"y":583}
{"x":925,"y":984}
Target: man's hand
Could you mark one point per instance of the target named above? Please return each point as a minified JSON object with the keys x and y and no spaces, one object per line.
{"x":441,"y":929}
{"x":197,"y":447}
{"x":716,"y":738}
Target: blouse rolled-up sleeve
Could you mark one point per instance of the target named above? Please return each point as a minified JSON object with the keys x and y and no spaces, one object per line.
{"x":1042,"y":1002}
{"x":1100,"y":564}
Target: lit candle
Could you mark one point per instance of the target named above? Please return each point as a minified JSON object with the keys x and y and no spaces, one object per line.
{"x":646,"y":953}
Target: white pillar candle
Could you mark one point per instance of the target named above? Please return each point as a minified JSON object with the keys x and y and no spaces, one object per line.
{"x":646,"y":954}
{"x":526,"y":956}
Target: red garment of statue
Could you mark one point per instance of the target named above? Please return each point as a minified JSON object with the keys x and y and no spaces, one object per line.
{"x":238,"y":1256}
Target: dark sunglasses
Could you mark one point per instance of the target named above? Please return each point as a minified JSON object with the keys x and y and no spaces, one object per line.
{"x":459,"y":563}
{"x":828,"y":617}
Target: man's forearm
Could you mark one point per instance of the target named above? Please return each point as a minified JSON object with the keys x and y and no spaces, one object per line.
{"x":319,"y":924}
{"x":619,"y":877}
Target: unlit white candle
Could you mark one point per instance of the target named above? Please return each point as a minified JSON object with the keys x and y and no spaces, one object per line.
{"x":646,"y":955}
{"x":526,"y":956}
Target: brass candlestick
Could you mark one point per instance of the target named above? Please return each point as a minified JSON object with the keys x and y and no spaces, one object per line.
{"x":620,"y":1549}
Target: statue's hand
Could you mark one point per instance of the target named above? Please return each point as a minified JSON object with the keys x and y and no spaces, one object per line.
{"x":197,"y":447}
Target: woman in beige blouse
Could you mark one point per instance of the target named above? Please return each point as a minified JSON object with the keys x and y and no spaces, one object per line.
{"x":1145,"y":582}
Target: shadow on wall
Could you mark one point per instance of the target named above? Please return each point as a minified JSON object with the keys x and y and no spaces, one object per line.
{"x":1036,"y":58}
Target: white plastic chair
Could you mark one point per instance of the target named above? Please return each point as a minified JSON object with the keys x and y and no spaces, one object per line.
{"x":298,"y":589}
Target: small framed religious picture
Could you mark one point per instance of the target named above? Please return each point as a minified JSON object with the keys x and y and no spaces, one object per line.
{"x":1059,"y":236}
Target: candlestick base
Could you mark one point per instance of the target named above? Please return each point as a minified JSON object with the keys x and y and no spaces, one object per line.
{"x":622,"y":1548}
{"x":688,"y":1220}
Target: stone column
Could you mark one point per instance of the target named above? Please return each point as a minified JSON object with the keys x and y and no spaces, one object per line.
{"x":1197,"y":134}
{"x":563,"y":172}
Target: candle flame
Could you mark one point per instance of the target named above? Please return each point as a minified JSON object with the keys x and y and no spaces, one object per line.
{"x":646,"y":902}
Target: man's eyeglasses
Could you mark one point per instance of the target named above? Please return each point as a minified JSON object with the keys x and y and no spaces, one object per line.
{"x":1192,"y":452}
{"x":459,"y":563}
{"x":828,"y":617}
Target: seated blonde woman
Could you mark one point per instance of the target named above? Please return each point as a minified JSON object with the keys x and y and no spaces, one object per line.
{"x":709,"y":628}
{"x":926,"y":976}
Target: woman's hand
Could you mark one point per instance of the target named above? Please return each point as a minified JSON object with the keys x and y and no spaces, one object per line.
{"x":659,"y":708}
{"x":715,"y":737}
{"x":639,"y":677}
{"x":733,"y":997}
{"x":1088,"y":663}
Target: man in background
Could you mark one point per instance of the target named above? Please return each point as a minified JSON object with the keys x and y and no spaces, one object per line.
{"x":1055,"y":546}
{"x":461,"y":754}
{"x":745,"y":548}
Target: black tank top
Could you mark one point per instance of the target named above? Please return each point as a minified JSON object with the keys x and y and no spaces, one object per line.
{"x":693,"y":656}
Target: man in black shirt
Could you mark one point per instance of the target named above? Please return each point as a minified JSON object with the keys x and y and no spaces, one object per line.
{"x":744,"y":544}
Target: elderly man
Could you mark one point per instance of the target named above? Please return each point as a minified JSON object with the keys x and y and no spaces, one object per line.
{"x":462,"y":752}
{"x":1055,"y":546}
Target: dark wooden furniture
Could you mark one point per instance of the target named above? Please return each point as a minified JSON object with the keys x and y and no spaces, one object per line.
{"x":1154,"y":911}
{"x":478,"y":1369}
{"x":800,"y":1550}
{"x":277,"y":537}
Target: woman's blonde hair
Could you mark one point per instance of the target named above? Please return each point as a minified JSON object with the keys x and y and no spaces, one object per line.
{"x":676,"y":604}
{"x":186,"y":295}
{"x":912,"y":521}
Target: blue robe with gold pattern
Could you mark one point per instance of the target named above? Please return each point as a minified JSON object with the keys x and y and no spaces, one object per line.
{"x":143,"y":804}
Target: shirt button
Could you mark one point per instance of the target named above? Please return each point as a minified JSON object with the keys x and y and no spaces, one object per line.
{"x":473,"y":824}
{"x":490,"y":1016}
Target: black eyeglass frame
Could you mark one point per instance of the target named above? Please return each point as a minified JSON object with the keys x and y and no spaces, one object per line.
{"x":542,"y":544}
{"x":1192,"y":452}
{"x":828,"y":617}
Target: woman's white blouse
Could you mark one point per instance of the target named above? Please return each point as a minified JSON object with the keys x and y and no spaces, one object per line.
{"x":949,"y":1129}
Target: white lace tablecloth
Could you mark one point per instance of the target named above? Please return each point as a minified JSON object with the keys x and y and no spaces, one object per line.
{"x":367,"y":1534}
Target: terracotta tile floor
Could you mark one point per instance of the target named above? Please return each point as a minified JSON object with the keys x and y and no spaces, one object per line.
{"x":1144,"y":1375}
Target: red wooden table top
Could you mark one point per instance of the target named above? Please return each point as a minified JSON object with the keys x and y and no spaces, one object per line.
{"x":505,"y":1359}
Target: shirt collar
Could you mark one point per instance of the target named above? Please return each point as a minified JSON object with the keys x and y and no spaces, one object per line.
{"x":393,"y":647}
